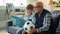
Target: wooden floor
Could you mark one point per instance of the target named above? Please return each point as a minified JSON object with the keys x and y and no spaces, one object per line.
{"x":3,"y":31}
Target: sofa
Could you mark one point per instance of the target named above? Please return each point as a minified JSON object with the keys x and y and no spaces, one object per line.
{"x":10,"y":28}
{"x":14,"y":29}
{"x":18,"y":30}
{"x":15,"y":24}
{"x":56,"y":20}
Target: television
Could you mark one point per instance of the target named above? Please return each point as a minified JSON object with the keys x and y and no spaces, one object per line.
{"x":17,"y":10}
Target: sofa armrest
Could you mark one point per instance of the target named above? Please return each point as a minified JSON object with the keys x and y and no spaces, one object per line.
{"x":9,"y":23}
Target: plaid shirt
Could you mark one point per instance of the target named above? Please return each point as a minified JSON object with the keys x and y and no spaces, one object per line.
{"x":46,"y":23}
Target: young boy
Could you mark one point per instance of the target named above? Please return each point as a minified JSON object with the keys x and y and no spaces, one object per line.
{"x":29,"y":15}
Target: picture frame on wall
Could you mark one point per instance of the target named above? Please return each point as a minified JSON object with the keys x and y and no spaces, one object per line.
{"x":9,"y":7}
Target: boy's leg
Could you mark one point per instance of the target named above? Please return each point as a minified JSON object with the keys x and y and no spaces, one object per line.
{"x":23,"y":32}
{"x":19,"y":31}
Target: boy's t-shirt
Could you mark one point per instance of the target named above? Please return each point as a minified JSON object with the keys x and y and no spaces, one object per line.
{"x":29,"y":17}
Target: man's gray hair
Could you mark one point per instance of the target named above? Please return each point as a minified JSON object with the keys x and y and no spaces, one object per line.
{"x":38,"y":2}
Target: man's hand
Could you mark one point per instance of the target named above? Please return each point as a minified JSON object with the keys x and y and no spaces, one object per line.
{"x":32,"y":31}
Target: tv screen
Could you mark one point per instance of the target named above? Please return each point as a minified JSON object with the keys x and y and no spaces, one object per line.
{"x":17,"y":10}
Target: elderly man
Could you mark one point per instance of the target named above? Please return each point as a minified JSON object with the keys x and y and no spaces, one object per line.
{"x":43,"y":19}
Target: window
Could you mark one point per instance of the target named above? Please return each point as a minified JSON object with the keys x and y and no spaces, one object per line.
{"x":15,"y":2}
{"x":1,"y":2}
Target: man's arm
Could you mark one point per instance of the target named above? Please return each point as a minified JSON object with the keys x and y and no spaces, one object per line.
{"x":46,"y":23}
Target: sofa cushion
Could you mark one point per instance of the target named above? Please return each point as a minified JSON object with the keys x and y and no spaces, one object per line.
{"x":13,"y":29}
{"x":17,"y":21}
{"x":11,"y":16}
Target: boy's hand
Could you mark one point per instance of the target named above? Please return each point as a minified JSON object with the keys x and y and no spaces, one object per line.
{"x":23,"y":32}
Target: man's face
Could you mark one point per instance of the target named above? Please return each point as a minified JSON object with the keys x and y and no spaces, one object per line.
{"x":38,"y":8}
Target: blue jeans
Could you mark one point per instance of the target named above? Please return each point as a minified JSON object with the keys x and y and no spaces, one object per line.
{"x":19,"y":31}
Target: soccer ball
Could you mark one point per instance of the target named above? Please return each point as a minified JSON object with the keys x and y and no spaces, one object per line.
{"x":28,"y":26}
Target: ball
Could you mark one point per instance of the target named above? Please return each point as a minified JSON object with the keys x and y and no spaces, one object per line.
{"x":28,"y":26}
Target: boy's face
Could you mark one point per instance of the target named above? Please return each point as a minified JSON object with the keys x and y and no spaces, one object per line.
{"x":29,"y":11}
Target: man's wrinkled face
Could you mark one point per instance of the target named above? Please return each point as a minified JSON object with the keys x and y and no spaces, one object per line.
{"x":38,"y":7}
